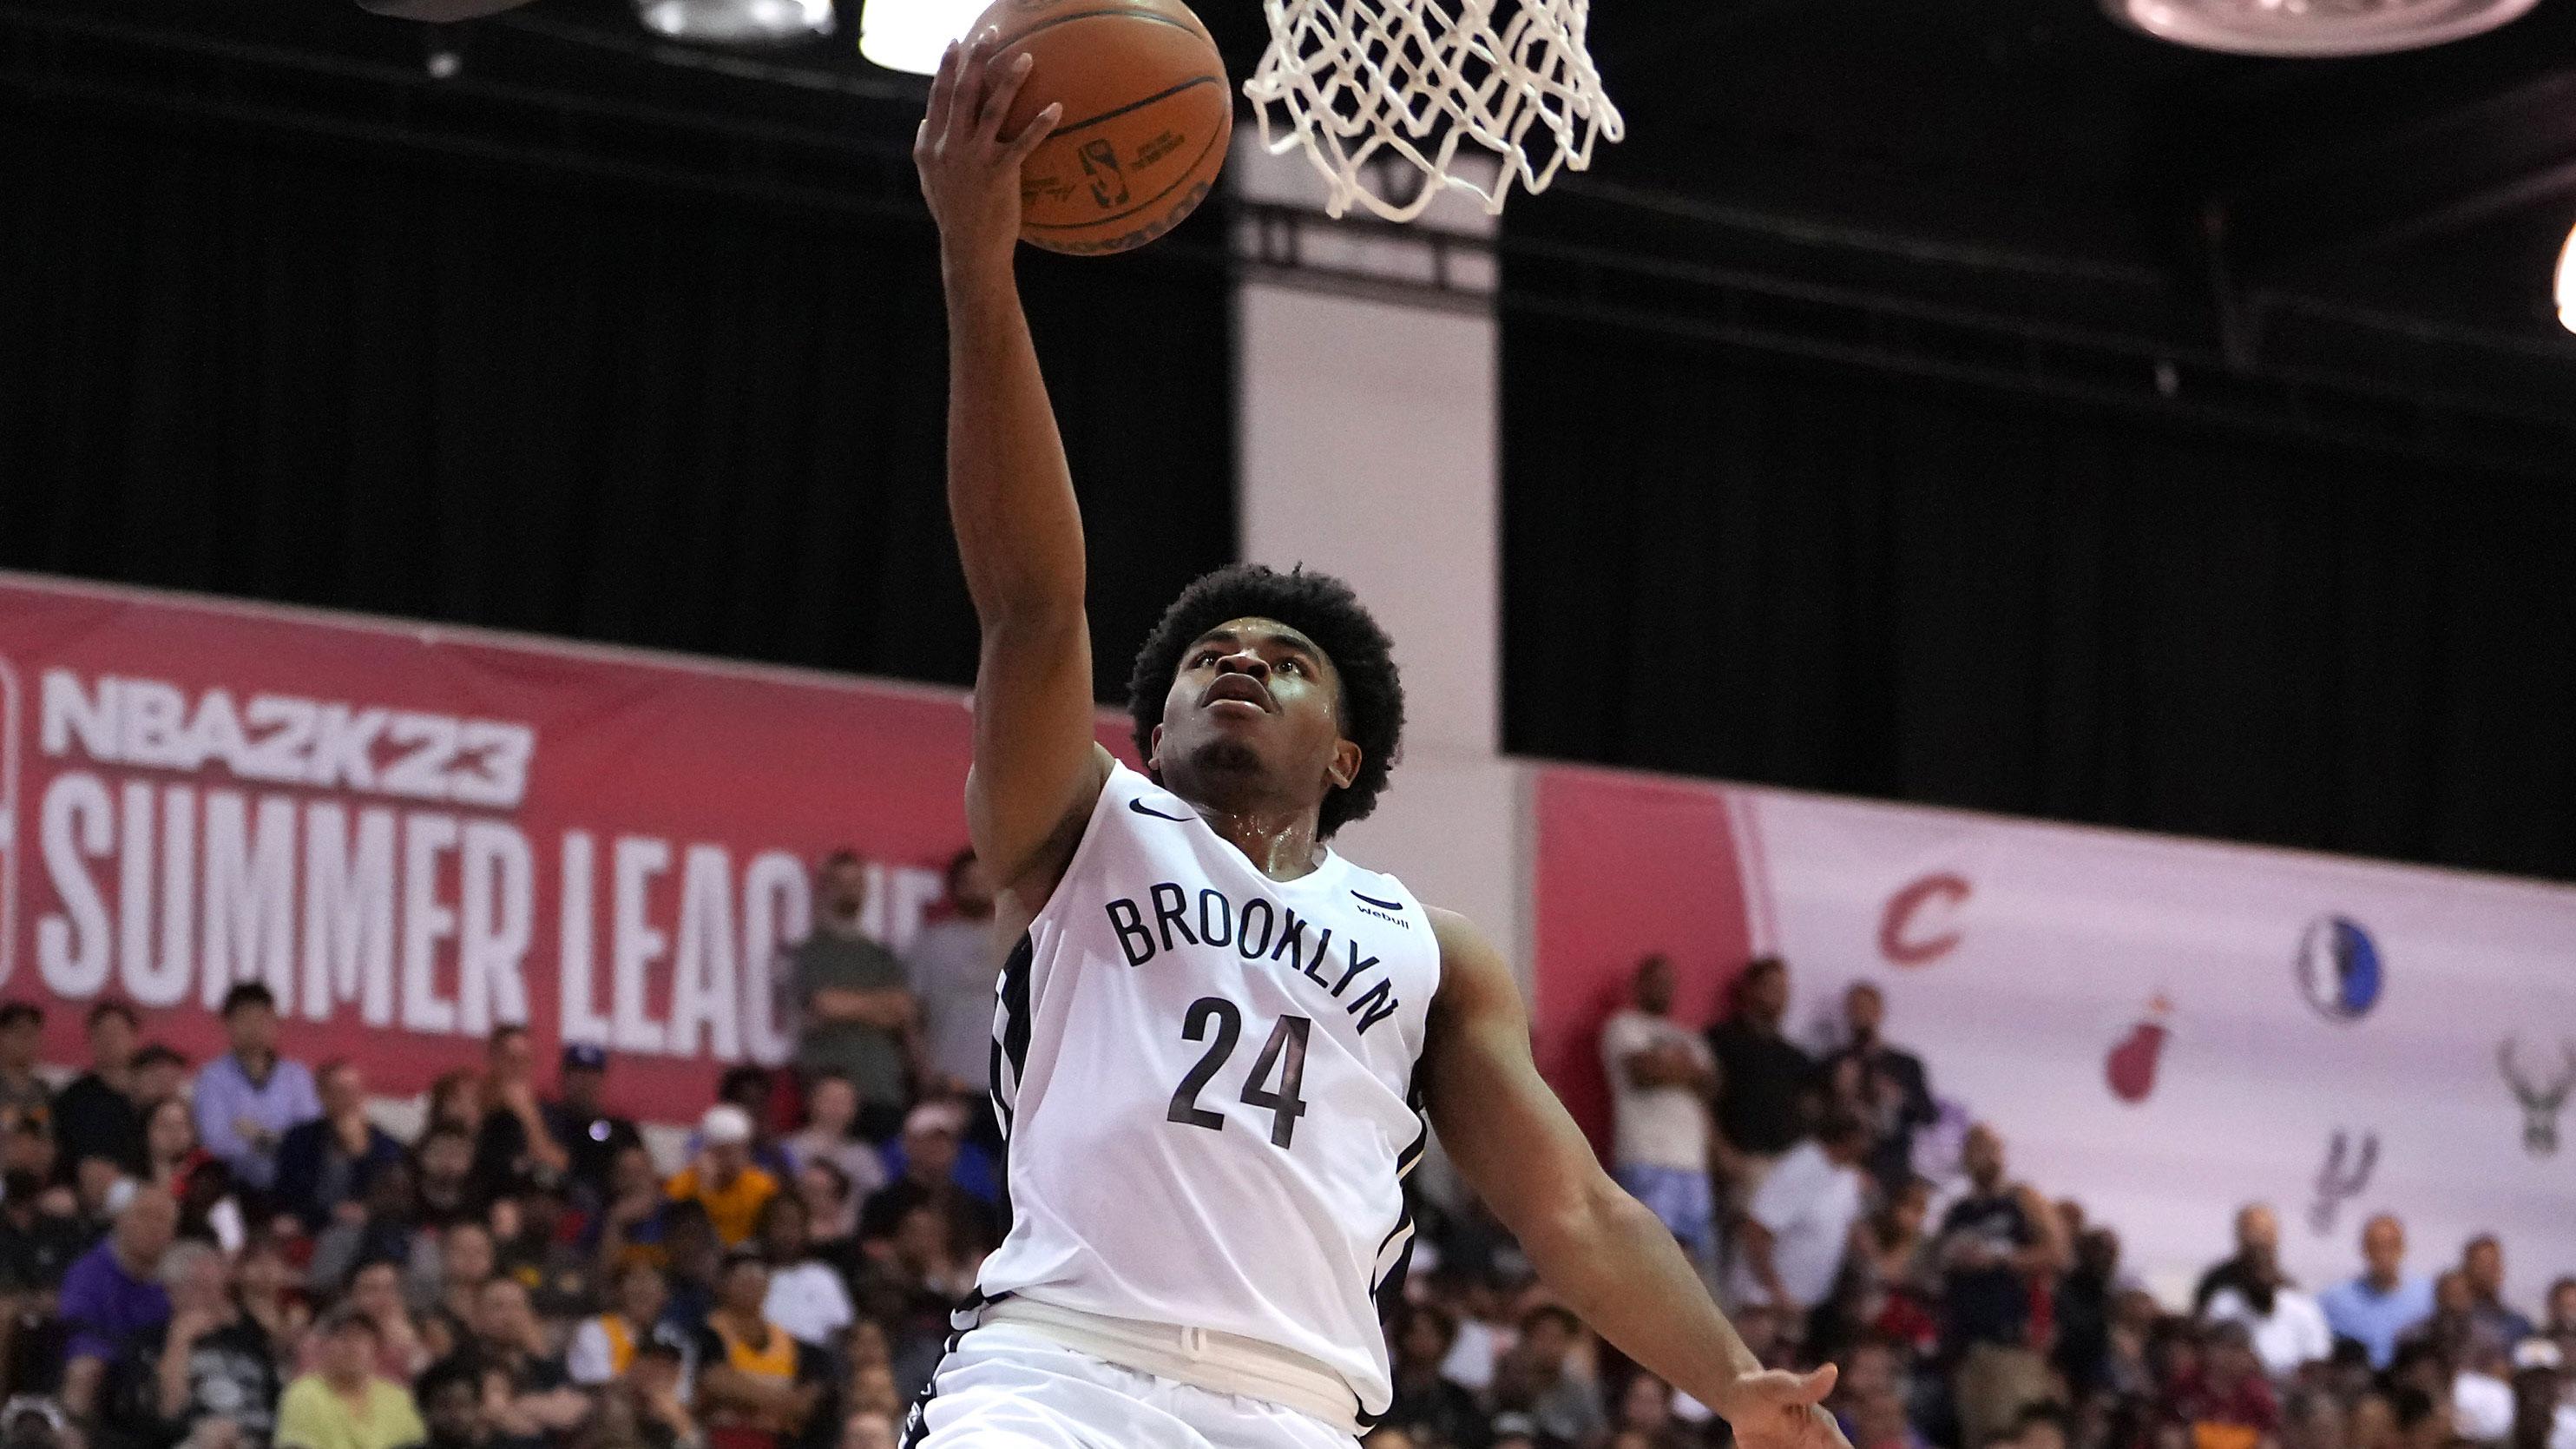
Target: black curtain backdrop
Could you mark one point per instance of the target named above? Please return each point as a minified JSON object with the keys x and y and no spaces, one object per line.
{"x":1735,"y":565}
{"x":258,"y":364}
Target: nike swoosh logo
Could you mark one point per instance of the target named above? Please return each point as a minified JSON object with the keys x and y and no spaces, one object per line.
{"x":1381,"y":905}
{"x":1140,"y":808}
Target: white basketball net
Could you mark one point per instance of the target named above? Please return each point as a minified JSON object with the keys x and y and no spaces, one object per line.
{"x":1382,"y":91}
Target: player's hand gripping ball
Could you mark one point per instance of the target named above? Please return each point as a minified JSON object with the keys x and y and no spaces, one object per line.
{"x":1147,"y":115}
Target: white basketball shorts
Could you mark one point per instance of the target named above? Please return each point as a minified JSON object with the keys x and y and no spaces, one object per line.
{"x":1003,"y":1387}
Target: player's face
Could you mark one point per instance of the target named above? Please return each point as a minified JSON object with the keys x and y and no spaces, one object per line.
{"x":1254,"y":698}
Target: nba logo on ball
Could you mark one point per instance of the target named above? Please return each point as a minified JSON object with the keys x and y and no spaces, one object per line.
{"x":2339,"y":968}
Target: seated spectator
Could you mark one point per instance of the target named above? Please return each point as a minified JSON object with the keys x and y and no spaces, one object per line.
{"x":97,"y":1111}
{"x":380,"y":1231}
{"x":210,"y":1363}
{"x":833,"y":1211}
{"x":757,"y":1388}
{"x":2224,"y":1397}
{"x":591,"y":1136}
{"x":512,"y":1143}
{"x":249,"y":1098}
{"x":2422,"y":1420}
{"x":375,"y":1289}
{"x":2559,"y":1320}
{"x":868,"y":1431}
{"x":160,"y":1074}
{"x":24,"y":1097}
{"x":1798,"y":1224}
{"x":526,"y":1392}
{"x":271,"y":1297}
{"x":1537,"y":1378}
{"x":456,"y":1101}
{"x":194,"y":1177}
{"x":325,"y":1166}
{"x":722,"y":1179}
{"x":113,"y":1301}
{"x":629,"y":1226}
{"x":693,"y":1261}
{"x":831,"y":1111}
{"x":753,"y":1090}
{"x":346,"y":1404}
{"x":657,"y":1383}
{"x":806,"y":1294}
{"x":1419,"y":1338}
{"x":932,"y":1147}
{"x":451,"y":1406}
{"x":449,"y":1271}
{"x":1645,"y":1419}
{"x":529,"y":1245}
{"x":40,"y":1235}
{"x":2258,"y":1248}
{"x":2288,"y":1329}
{"x":604,"y":1346}
{"x":442,"y":1175}
{"x":29,"y":1146}
{"x":2382,"y":1305}
{"x":2496,"y":1322}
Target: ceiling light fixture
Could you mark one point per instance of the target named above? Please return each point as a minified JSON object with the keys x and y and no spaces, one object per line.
{"x":909,"y":35}
{"x":737,"y":22}
{"x":2314,"y":27}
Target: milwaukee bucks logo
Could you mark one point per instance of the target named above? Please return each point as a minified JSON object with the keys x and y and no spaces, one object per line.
{"x":2540,"y":1102}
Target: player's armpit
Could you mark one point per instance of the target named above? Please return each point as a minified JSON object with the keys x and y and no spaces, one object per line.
{"x":1594,"y":1246}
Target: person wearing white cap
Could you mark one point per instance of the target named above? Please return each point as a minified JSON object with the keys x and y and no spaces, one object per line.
{"x":722,"y":1180}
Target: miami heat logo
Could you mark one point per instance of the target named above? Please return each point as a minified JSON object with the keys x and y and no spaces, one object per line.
{"x":9,"y":814}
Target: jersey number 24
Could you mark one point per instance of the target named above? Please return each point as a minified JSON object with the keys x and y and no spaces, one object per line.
{"x":1283,"y":1056}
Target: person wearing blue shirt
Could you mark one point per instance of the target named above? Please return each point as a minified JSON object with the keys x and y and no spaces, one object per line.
{"x":2377,"y":1308}
{"x":249,"y":1098}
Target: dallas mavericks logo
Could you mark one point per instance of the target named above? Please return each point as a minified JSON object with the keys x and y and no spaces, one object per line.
{"x":2338,"y":968}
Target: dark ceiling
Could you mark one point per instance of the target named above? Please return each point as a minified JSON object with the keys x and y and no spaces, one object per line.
{"x":2012,"y":174}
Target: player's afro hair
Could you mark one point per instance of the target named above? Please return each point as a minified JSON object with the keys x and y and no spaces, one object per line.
{"x":1322,"y":608}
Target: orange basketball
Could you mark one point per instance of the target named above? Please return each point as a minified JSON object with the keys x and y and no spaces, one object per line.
{"x":1147,"y":113}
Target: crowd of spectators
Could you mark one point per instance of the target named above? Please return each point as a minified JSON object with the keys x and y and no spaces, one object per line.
{"x":1975,"y":1312}
{"x":252,"y":1259}
{"x":247,"y":1258}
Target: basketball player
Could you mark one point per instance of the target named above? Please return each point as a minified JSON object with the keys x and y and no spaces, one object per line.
{"x":1212,"y":1033}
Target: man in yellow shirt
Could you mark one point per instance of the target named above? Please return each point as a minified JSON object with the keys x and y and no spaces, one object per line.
{"x":722,"y":1180}
{"x":345,"y":1405}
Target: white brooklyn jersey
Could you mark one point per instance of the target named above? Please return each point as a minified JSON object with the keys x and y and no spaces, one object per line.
{"x":1207,"y":1079}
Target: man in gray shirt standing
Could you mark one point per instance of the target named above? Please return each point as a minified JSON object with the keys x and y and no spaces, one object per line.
{"x":859,"y":1012}
{"x":955,"y":965}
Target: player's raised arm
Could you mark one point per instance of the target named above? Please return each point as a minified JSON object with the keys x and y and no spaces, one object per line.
{"x":1596,"y":1247}
{"x":1010,"y":496}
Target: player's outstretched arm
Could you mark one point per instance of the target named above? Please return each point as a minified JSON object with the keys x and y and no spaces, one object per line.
{"x":1010,"y":495}
{"x":1593,"y":1245}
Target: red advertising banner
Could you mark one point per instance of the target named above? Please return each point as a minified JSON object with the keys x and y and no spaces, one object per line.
{"x":412,"y":833}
